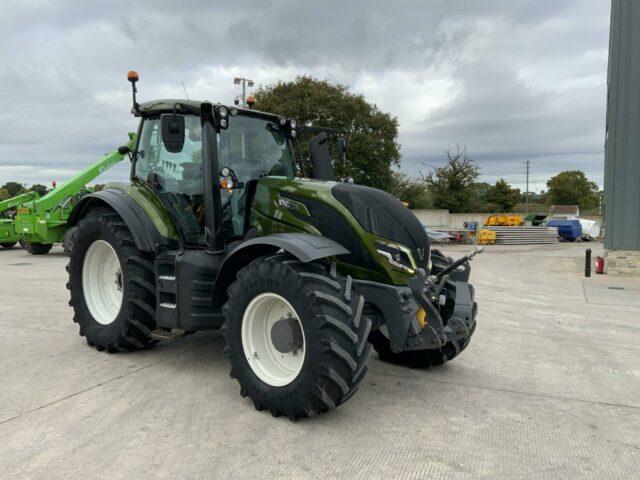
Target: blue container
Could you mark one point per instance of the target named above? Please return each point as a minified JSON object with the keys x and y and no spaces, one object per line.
{"x":472,"y":226}
{"x":567,"y":229}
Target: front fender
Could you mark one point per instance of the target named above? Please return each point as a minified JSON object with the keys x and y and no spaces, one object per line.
{"x":304,"y":246}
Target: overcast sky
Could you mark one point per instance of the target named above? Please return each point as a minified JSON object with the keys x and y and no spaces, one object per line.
{"x":512,"y":80}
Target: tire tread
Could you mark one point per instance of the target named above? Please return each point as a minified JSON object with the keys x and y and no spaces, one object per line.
{"x":139,"y":315}
{"x":337,"y":326}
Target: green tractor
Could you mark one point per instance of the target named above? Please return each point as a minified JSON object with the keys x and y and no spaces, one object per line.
{"x":218,"y":230}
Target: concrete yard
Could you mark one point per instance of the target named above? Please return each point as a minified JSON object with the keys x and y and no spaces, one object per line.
{"x":548,"y":388}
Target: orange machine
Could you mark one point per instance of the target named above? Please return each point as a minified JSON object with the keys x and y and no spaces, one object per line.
{"x":505,"y":220}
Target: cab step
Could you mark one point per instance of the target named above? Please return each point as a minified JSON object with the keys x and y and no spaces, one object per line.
{"x":168,"y":334}
{"x":166,"y":292}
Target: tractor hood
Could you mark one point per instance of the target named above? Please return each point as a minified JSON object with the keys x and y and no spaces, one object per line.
{"x":380,"y":213}
{"x":354,"y":216}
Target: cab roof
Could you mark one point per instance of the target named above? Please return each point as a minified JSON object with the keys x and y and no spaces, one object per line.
{"x":156,"y":107}
{"x":166,"y":105}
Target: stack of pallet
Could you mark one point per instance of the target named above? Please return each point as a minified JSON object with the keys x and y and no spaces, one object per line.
{"x":524,"y":235}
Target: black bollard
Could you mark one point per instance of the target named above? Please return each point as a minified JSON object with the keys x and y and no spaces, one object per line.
{"x":587,"y":263}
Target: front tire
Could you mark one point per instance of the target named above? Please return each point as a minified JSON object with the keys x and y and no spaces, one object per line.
{"x":112,"y":285}
{"x":295,"y":336}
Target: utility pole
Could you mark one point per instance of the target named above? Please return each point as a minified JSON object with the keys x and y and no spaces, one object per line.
{"x":527,"y":166}
{"x":245,"y":83}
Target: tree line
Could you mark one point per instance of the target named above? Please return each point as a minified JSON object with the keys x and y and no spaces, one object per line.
{"x":11,"y":189}
{"x":455,"y":186}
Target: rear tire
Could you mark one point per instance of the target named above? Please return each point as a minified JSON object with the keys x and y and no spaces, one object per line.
{"x":67,"y":242}
{"x":103,"y":262}
{"x":37,"y":248}
{"x":8,"y":244}
{"x":334,"y":333}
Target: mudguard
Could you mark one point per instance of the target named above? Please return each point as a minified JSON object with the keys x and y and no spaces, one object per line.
{"x":144,"y":232}
{"x":304,"y":246}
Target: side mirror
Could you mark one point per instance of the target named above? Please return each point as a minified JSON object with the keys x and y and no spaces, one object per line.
{"x":172,"y":127}
{"x":320,"y":157}
{"x":342,"y":150}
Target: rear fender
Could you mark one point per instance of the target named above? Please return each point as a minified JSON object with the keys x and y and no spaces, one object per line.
{"x":144,"y":232}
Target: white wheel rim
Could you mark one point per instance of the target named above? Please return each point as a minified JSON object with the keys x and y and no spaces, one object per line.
{"x":102,"y":282}
{"x":273,"y":367}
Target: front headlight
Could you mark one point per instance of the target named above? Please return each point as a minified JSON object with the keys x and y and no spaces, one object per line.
{"x":397,"y":255}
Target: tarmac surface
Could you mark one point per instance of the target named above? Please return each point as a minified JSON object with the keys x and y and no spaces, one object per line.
{"x":548,"y":388}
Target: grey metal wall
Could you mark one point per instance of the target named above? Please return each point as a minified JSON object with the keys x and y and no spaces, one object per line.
{"x":622,"y":147}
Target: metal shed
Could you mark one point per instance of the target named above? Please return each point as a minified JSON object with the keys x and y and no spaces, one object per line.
{"x":622,"y":144}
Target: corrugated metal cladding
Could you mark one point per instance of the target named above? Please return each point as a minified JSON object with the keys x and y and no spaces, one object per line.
{"x":622,"y":147}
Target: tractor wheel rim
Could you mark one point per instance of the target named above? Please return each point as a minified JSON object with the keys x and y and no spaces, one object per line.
{"x":272,"y":366}
{"x":102,"y":282}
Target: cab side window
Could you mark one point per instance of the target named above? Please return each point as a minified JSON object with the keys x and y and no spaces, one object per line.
{"x":176,"y":177}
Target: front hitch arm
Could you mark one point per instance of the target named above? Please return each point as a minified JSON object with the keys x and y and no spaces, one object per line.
{"x":458,"y":263}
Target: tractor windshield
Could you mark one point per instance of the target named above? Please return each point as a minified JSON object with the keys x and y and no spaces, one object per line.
{"x":254,"y":147}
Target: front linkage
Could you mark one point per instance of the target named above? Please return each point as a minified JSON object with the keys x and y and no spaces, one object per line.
{"x":429,"y":321}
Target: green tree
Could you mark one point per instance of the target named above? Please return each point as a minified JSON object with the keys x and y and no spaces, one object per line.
{"x":13,"y":188}
{"x":538,"y":197}
{"x":451,"y":186}
{"x":573,"y":188}
{"x":38,"y":187}
{"x":479,"y":197}
{"x":372,"y":135}
{"x":4,"y":194}
{"x":502,"y":196}
{"x":410,"y":190}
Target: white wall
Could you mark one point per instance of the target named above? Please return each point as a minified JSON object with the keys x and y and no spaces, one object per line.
{"x":449,"y":221}
{"x":433,"y":218}
{"x":455,"y":221}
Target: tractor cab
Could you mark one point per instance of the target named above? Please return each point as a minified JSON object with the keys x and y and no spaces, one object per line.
{"x":169,"y":160}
